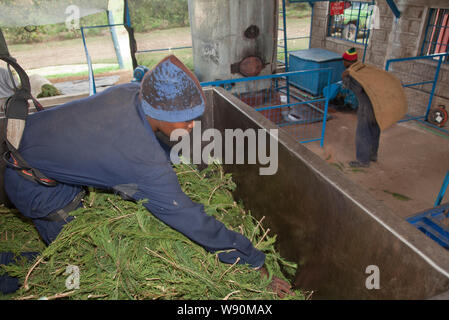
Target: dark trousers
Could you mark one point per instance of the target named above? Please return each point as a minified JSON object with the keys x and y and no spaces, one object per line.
{"x":36,"y":202}
{"x":367,"y":134}
{"x":11,"y":284}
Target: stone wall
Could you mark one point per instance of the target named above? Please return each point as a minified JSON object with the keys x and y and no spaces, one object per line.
{"x":396,"y":38}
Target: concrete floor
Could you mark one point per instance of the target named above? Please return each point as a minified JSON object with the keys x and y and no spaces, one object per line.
{"x":412,"y":162}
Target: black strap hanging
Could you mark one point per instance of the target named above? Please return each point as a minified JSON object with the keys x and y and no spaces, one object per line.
{"x":16,"y":107}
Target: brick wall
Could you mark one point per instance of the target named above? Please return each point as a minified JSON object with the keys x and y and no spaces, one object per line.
{"x":396,"y":38}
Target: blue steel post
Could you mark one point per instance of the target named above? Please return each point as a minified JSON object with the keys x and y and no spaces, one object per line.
{"x":127,"y":15}
{"x":440,"y":57}
{"x":284,"y":30}
{"x":323,"y":129}
{"x":366,"y":35}
{"x":115,"y":40}
{"x":437,"y":73}
{"x":284,"y":19}
{"x":358,"y":23}
{"x":301,"y":101}
{"x":329,"y":25}
{"x":364,"y":50}
{"x":92,"y":87}
{"x":442,"y":190}
{"x":268,"y":76}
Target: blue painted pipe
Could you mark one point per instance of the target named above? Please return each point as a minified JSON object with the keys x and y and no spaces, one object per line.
{"x":442,"y":190}
{"x":430,"y":56}
{"x":270,"y":76}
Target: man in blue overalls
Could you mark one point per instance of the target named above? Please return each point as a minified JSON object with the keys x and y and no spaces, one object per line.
{"x":108,"y":141}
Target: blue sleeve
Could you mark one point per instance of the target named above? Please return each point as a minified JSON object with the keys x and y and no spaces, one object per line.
{"x":168,"y":203}
{"x":10,"y":284}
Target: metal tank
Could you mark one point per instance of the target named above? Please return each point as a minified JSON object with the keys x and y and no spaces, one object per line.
{"x":234,"y":39}
{"x":337,"y":233}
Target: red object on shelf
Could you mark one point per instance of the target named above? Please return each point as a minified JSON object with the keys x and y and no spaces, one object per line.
{"x":337,"y":8}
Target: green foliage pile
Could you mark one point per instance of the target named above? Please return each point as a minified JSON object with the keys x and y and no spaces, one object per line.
{"x":48,"y":90}
{"x":151,"y":59}
{"x":17,"y":233}
{"x":123,"y":252}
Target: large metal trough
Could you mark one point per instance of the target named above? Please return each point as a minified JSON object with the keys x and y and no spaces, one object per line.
{"x":330,"y":226}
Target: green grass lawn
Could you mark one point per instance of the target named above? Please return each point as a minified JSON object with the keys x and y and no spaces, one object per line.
{"x":67,"y":52}
{"x":297,"y":11}
{"x":150,"y":59}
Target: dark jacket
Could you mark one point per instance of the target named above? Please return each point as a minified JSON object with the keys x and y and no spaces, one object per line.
{"x":105,"y":141}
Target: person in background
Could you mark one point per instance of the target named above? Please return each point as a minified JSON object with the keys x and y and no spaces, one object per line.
{"x":368,"y":132}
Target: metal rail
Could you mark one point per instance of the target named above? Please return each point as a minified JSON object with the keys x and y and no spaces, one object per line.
{"x":314,"y":115}
{"x":434,"y":82}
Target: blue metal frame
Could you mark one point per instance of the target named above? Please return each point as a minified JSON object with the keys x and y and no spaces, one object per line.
{"x":286,"y":65}
{"x":127,"y":15}
{"x":442,"y":190}
{"x":394,"y":8}
{"x":285,"y":89}
{"x":268,"y":76}
{"x":92,"y":87}
{"x":440,"y":57}
{"x":430,"y":222}
{"x":286,"y":39}
{"x":284,"y":29}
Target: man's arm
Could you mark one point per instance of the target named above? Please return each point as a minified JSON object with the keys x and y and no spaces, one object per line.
{"x":169,"y":204}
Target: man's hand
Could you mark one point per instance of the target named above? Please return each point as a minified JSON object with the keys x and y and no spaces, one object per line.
{"x":279,"y":286}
